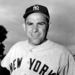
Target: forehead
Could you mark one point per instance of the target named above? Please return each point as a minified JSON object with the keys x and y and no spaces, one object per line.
{"x":36,"y":16}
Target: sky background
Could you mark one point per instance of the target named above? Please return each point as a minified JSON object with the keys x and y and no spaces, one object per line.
{"x":62,"y":28}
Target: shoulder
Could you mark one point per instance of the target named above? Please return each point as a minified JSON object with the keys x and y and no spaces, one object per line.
{"x":59,"y":49}
{"x":19,"y":44}
{"x":63,"y":53}
{"x":65,"y":56}
{"x":17,"y":47}
{"x":57,"y":46}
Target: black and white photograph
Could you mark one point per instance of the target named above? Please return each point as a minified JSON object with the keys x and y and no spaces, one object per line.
{"x":37,"y":37}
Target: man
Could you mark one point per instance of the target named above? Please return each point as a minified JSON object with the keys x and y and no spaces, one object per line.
{"x":38,"y":55}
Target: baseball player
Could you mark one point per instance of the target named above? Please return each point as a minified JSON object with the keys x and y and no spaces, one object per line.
{"x":38,"y":55}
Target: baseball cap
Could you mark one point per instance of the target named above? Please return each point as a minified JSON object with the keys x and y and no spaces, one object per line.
{"x":36,"y":8}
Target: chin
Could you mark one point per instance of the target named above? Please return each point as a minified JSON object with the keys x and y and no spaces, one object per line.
{"x":35,"y":42}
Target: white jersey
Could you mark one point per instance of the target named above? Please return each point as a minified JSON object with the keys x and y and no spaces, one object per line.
{"x":46,"y":59}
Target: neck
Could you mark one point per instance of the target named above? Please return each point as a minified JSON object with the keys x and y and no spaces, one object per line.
{"x":34,"y":45}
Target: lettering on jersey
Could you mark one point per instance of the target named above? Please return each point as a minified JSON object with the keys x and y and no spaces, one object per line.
{"x":15,"y":64}
{"x":36,"y":66}
{"x":44,"y":69}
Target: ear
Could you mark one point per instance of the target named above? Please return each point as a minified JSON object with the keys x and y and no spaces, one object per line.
{"x":23,"y":26}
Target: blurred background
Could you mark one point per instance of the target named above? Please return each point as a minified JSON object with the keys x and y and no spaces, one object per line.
{"x":62,"y":28}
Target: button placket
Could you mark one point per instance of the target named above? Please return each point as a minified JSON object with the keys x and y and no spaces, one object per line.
{"x":30,"y":54}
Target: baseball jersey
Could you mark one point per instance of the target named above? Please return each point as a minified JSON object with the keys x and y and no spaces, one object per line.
{"x":48,"y":58}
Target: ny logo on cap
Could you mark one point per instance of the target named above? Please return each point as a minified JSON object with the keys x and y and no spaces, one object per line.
{"x":36,"y":7}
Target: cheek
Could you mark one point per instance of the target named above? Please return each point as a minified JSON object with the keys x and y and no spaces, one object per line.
{"x":43,"y":31}
{"x":28,"y":29}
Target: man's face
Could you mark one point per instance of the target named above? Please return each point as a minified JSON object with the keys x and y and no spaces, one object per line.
{"x":36,"y":28}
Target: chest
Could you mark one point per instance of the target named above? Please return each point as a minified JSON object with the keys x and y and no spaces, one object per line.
{"x":33,"y":62}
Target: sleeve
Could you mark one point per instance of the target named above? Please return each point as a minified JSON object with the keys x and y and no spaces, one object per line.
{"x":67,"y":65}
{"x":6,"y":60}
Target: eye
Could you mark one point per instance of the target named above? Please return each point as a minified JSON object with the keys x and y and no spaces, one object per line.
{"x":29,"y":24}
{"x":42,"y":23}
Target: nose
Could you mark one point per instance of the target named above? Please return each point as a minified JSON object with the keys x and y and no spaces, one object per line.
{"x":35,"y":28}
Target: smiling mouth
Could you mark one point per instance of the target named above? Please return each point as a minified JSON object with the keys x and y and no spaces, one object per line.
{"x":35,"y":36}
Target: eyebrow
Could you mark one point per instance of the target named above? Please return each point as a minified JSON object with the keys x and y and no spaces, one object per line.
{"x":42,"y":22}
